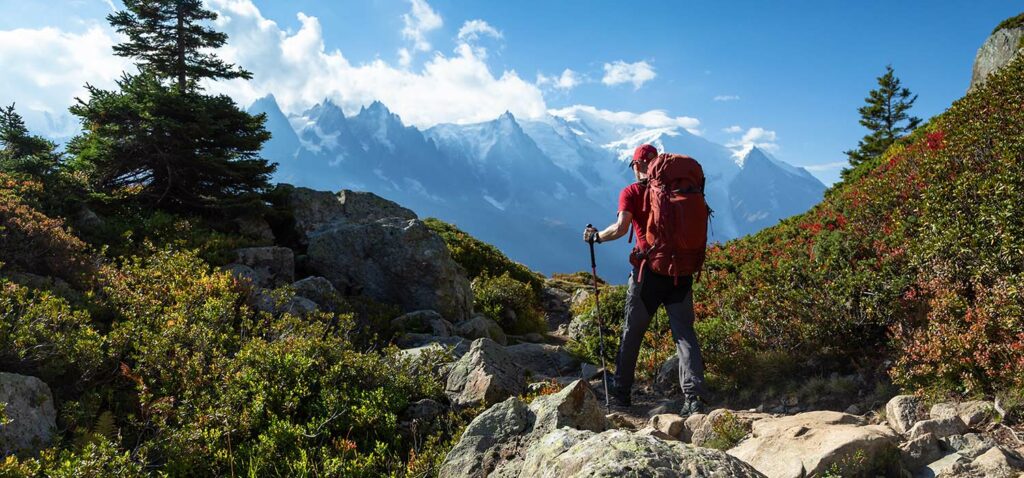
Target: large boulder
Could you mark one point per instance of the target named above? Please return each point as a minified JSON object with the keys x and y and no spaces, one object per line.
{"x":903,"y":411}
{"x":808,"y":444}
{"x":975,"y":413}
{"x":542,"y":360}
{"x":320,"y":291}
{"x":485,"y":374}
{"x":997,"y":51}
{"x":482,"y":445}
{"x":555,"y":304}
{"x":480,"y":327}
{"x":29,"y":414}
{"x":919,"y":452}
{"x":273,"y":266}
{"x":575,"y":406}
{"x":314,"y":210}
{"x":940,"y":427}
{"x":422,"y":321}
{"x":617,"y":453}
{"x":561,"y":435}
{"x":395,"y":261}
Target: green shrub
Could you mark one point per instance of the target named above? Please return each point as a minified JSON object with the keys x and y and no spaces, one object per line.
{"x":1012,"y":22}
{"x":509,"y":302}
{"x":42,"y":336}
{"x":727,"y":431}
{"x":34,"y":242}
{"x":915,"y":259}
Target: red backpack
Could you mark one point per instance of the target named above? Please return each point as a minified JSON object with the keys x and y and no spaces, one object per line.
{"x":677,"y":222}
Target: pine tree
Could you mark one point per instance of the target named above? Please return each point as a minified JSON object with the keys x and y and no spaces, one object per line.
{"x":158,"y":135}
{"x":167,"y":38}
{"x":22,"y":153}
{"x":885,"y":116}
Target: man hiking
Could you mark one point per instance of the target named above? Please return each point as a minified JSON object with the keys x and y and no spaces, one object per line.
{"x":647,"y":289}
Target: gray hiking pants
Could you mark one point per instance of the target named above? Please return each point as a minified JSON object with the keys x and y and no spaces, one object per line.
{"x":642,"y":301}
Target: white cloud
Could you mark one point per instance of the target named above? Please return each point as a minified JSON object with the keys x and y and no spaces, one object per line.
{"x":620,"y":72}
{"x":727,"y":98}
{"x":566,"y":81}
{"x":474,"y":29}
{"x":300,"y":72}
{"x":827,"y":166}
{"x":420,"y":20}
{"x":649,"y":119}
{"x":732,"y":129}
{"x":756,"y":136}
{"x":404,"y":57}
{"x":45,"y":69}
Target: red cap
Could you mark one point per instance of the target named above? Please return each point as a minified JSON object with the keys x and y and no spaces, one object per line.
{"x":642,"y":152}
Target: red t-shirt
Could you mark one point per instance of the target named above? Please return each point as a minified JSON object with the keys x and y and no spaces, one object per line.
{"x":631,"y":199}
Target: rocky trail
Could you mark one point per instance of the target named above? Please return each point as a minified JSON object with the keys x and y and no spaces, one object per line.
{"x":542,"y":408}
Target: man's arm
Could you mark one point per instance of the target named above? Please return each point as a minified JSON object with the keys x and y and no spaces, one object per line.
{"x":614,"y":231}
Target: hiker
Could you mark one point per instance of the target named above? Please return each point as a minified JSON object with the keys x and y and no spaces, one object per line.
{"x":647,"y":290}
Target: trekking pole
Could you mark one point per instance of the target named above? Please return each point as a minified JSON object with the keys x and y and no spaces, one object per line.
{"x":597,"y":315}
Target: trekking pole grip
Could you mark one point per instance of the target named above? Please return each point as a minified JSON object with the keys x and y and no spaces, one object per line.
{"x":593,"y":263}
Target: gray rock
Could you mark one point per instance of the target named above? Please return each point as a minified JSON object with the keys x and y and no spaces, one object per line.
{"x":615,"y":453}
{"x":941,"y":427}
{"x":945,"y":466}
{"x":997,"y":51}
{"x":458,"y":345}
{"x":255,"y":228}
{"x":274,"y":266}
{"x":319,"y":290}
{"x":547,"y":448}
{"x":578,"y":329}
{"x":393,"y":261}
{"x":29,"y":412}
{"x":669,"y":424}
{"x":970,"y":445}
{"x":316,"y":210}
{"x":278,"y":302}
{"x":919,"y":452}
{"x":423,"y":321}
{"x":903,"y":411}
{"x":691,"y":425}
{"x":808,"y":444}
{"x":485,"y":374}
{"x":974,"y":414}
{"x":996,"y":460}
{"x":480,"y":449}
{"x":555,"y":304}
{"x":479,"y":327}
{"x":580,"y":297}
{"x":574,"y":407}
{"x":544,"y":360}
{"x":590,"y":371}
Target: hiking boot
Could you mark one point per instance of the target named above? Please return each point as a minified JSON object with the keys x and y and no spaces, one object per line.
{"x":691,"y":405}
{"x":618,"y":398}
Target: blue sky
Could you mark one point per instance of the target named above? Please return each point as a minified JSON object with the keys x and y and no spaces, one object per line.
{"x":786,"y":75}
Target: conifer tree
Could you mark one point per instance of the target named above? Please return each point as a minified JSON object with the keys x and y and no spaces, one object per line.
{"x":885,"y":116}
{"x":22,"y":153}
{"x":158,"y":135}
{"x":167,"y":38}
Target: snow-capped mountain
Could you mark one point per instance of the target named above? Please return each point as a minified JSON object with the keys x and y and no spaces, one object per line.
{"x":527,"y":186}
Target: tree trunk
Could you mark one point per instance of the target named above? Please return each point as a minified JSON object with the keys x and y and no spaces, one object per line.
{"x":180,"y":40}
